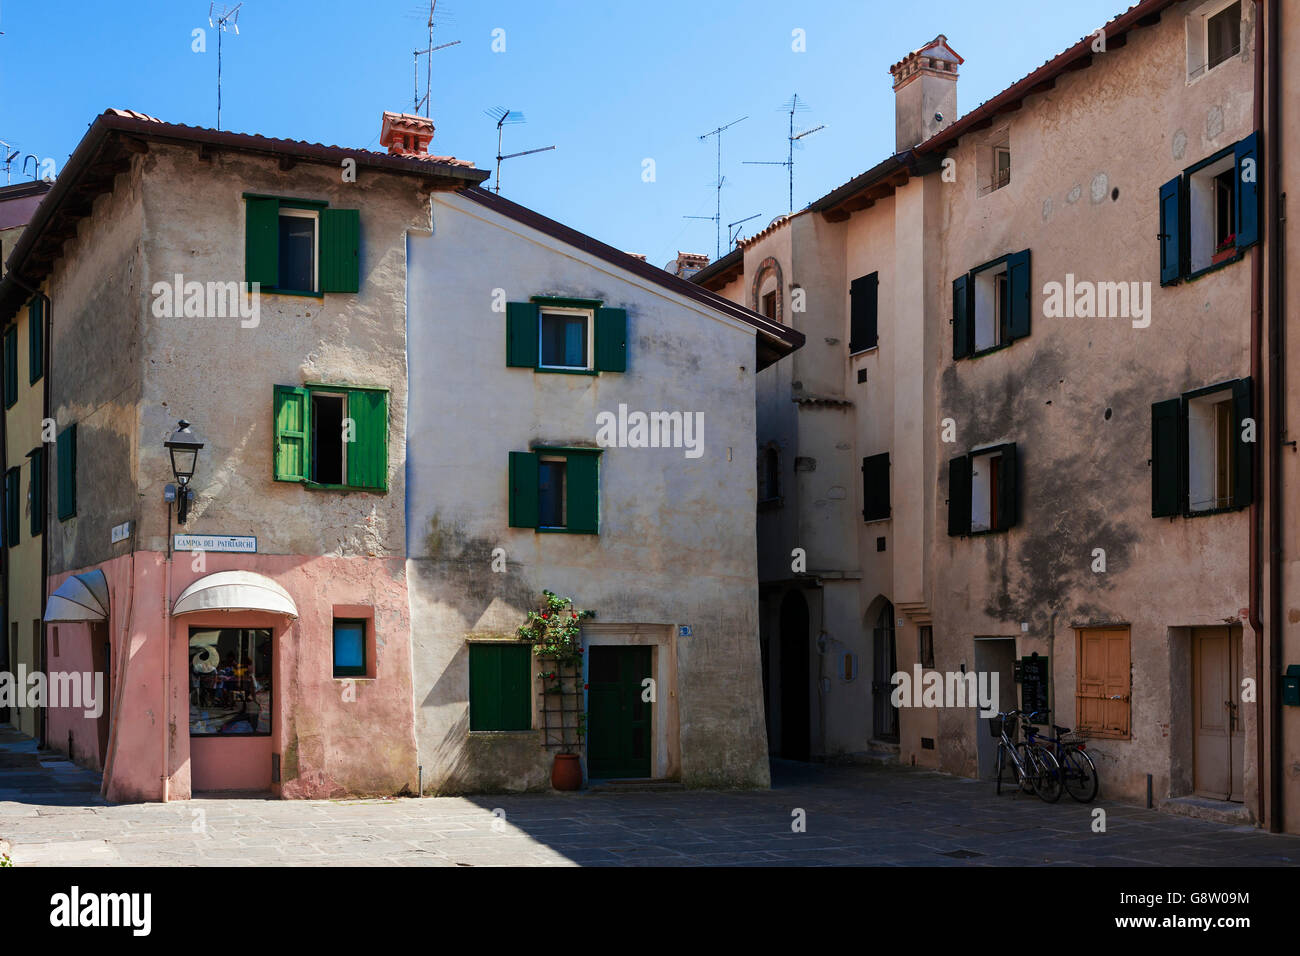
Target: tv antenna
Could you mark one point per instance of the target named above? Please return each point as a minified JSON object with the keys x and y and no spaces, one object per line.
{"x":717,"y":208}
{"x":791,"y":106}
{"x":227,"y":19}
{"x":731,"y":238}
{"x":428,"y":75}
{"x":507,"y":117}
{"x":8,"y":158}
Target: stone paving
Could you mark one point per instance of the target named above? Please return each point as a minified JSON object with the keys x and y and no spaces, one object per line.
{"x":51,"y":814}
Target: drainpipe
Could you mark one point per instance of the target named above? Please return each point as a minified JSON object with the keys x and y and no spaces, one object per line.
{"x":46,"y":342}
{"x":4,"y":557}
{"x":1257,"y":496}
{"x":167,"y":660}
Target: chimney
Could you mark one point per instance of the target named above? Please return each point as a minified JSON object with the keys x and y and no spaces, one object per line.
{"x":406,"y":134}
{"x":687,"y":264}
{"x":925,"y":92}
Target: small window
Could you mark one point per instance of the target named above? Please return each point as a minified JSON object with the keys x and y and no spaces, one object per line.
{"x":875,"y":487}
{"x":1214,"y":36}
{"x":864,"y":295}
{"x":925,"y":638}
{"x":1212,"y":199}
{"x":986,"y":478}
{"x":1201,"y":462}
{"x":349,"y":648}
{"x":500,"y":686}
{"x":769,"y":305}
{"x":1210,"y":213}
{"x":298,"y":250}
{"x":1210,"y":447}
{"x":991,"y":305}
{"x":300,"y":246}
{"x":983,"y":491}
{"x":990,"y":308}
{"x":550,"y":492}
{"x":553,"y":489}
{"x":993,"y":161}
{"x":565,"y":339}
{"x":329,"y":452}
{"x":555,"y":335}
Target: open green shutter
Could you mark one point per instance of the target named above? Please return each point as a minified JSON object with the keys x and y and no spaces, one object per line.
{"x":35,"y":340}
{"x":611,"y":340}
{"x":36,"y":517}
{"x":1248,"y":191}
{"x":1167,"y":471}
{"x":291,"y":408}
{"x":262,"y":242}
{"x":1008,"y":487}
{"x":1171,"y":231}
{"x":1243,"y":458}
{"x":963,"y":325}
{"x":340,"y":250}
{"x":524,"y":505}
{"x":484,"y":687}
{"x":522,"y":332}
{"x":65,"y":450}
{"x":1019,"y":298}
{"x":582,"y":495}
{"x":959,"y":490}
{"x":516,"y":687}
{"x":11,"y":366}
{"x":368,"y":452}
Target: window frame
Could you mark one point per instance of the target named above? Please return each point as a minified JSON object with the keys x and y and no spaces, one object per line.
{"x":1009,"y":451}
{"x":330,"y":388}
{"x":589,"y":316}
{"x":312,"y":395}
{"x":1198,"y":33}
{"x":966,"y":305}
{"x":291,"y":210}
{"x":1197,"y":169}
{"x":524,"y":489}
{"x":350,"y":671}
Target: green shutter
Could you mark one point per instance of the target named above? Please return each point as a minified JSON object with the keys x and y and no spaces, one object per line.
{"x":65,"y":450}
{"x":1167,"y":471}
{"x":368,"y":453}
{"x":1243,"y":459}
{"x":35,"y":340}
{"x":875,"y":487}
{"x":1019,"y":297}
{"x":11,"y":366}
{"x":1171,"y":232}
{"x":12,"y":479}
{"x":36,"y":518}
{"x":262,"y":242}
{"x":525,"y":509}
{"x":611,"y":340}
{"x":500,"y":687}
{"x":291,"y":409}
{"x":959,"y":491}
{"x":582,"y":493}
{"x":340,"y":250}
{"x":1248,"y":191}
{"x":1008,"y":487}
{"x":522,"y":332}
{"x":963,"y":321}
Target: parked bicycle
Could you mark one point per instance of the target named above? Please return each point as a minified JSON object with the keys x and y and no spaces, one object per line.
{"x":1078,"y":772}
{"x":1036,"y":768}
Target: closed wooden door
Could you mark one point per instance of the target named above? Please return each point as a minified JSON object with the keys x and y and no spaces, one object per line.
{"x":1102,"y":699}
{"x":618,"y":733}
{"x":1219,"y":740}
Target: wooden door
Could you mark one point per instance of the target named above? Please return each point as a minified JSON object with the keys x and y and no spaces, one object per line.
{"x":1102,"y":696}
{"x":618,"y":725}
{"x":1218,"y":737}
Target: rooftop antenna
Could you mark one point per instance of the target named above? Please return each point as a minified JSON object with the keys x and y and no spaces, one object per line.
{"x":428,"y":76}
{"x":507,"y":117}
{"x":227,"y":19}
{"x":791,"y":106}
{"x":732,"y":237}
{"x":717,"y":209}
{"x":8,"y":160}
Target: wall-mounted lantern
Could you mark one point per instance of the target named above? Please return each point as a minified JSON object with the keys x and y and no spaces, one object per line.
{"x":184,"y":446}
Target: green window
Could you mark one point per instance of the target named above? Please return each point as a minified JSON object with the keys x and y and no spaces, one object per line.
{"x":65,"y":451}
{"x":349,"y":648}
{"x":12,"y":478}
{"x":331,"y":436}
{"x":555,"y":489}
{"x":37,"y":495}
{"x":301,"y":246}
{"x":11,"y":366}
{"x":500,"y":686}
{"x":35,"y":340}
{"x":991,"y":305}
{"x":578,"y":336}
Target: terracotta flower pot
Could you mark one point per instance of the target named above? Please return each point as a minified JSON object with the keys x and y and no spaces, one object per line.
{"x":1223,"y":255}
{"x":566,"y":774}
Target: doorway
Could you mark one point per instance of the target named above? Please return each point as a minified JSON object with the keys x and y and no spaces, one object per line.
{"x":884,"y":653}
{"x":795,"y":698}
{"x":1218,"y":746}
{"x":619,"y":718}
{"x":994,"y":655}
{"x":101,"y":665}
{"x":230,"y":679}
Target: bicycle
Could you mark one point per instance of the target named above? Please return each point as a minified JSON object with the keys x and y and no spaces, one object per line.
{"x":1078,"y":772}
{"x":1036,"y":767}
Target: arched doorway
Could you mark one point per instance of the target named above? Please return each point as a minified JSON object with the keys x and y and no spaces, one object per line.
{"x":884,"y":715}
{"x":795,"y":728}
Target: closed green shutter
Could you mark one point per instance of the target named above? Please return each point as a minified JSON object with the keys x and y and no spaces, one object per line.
{"x":11,"y":366}
{"x":864,"y":294}
{"x":1168,"y":474}
{"x":875,"y":487}
{"x":36,"y":517}
{"x":35,"y":340}
{"x":582,"y":495}
{"x":611,"y":340}
{"x":500,"y":687}
{"x":1008,"y":488}
{"x":262,"y":242}
{"x":963,"y":321}
{"x":368,"y":453}
{"x":66,"y":453}
{"x":13,"y":478}
{"x":1019,"y":299}
{"x":1171,"y":231}
{"x":291,"y":408}
{"x":340,"y":250}
{"x":1248,"y":191}
{"x":524,"y":505}
{"x":959,"y":490}
{"x":1243,"y":459}
{"x":522,"y":332}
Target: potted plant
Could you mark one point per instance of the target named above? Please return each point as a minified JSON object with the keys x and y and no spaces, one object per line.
{"x":555,"y":631}
{"x":1225,"y":250}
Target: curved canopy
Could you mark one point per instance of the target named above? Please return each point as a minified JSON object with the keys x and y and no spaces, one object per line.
{"x":82,"y":597}
{"x":235,"y":591}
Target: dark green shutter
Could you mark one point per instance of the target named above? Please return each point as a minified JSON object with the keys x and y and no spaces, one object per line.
{"x":65,"y":450}
{"x":291,"y":409}
{"x":1248,"y":193}
{"x":1019,"y":296}
{"x":864,"y":295}
{"x":13,"y":478}
{"x":611,"y":340}
{"x":959,"y":491}
{"x":1171,"y":231}
{"x":582,"y":493}
{"x":368,"y":452}
{"x":875,"y":487}
{"x":11,"y":366}
{"x":524,"y":504}
{"x":35,"y":340}
{"x":1008,"y":487}
{"x":963,"y":325}
{"x":500,"y":687}
{"x":522,"y":333}
{"x":1167,"y":471}
{"x":1243,"y":459}
{"x":37,"y":516}
{"x":262,"y":242}
{"x":340,"y":250}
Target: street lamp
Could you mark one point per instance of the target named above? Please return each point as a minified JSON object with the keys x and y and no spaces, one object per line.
{"x":184,"y":447}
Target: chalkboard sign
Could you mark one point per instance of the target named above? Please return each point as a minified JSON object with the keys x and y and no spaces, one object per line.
{"x":1034,"y":676}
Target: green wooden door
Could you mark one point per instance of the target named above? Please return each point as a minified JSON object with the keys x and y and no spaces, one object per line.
{"x":618,"y":721}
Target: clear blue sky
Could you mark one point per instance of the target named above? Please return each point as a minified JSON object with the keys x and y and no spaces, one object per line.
{"x":608,"y":82}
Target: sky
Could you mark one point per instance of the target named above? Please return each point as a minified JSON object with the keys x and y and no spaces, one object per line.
{"x":611,"y":84}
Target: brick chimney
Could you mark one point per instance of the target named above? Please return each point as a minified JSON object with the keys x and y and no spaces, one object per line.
{"x":925,"y":92}
{"x":406,"y":134}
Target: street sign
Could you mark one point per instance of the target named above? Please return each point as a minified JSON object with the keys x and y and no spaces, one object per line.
{"x":242,"y":544}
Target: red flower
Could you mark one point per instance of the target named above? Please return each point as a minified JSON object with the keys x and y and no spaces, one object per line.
{"x":580,"y":650}
{"x":545,"y":616}
{"x":584,"y":686}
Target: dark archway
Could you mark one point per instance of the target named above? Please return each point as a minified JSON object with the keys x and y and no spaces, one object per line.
{"x":795,"y":728}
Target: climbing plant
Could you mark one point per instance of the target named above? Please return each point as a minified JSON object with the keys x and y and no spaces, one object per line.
{"x":555,"y":629}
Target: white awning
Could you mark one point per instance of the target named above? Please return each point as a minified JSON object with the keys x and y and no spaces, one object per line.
{"x":82,"y":597}
{"x":235,"y":591}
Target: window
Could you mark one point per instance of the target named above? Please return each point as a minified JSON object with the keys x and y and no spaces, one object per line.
{"x":65,"y":452}
{"x":1200,"y":460}
{"x":12,"y":478}
{"x":1210,"y":212}
{"x":555,"y":489}
{"x":770,"y":475}
{"x":331,"y":436}
{"x":983,"y":491}
{"x":550,"y":334}
{"x":36,"y":492}
{"x":769,"y":305}
{"x":991,"y":305}
{"x":993,"y":160}
{"x":1103,"y":683}
{"x":230,"y":682}
{"x":1001,"y":166}
{"x":875,"y":487}
{"x":35,"y":340}
{"x":500,"y":686}
{"x":349,"y":648}
{"x":301,"y":246}
{"x":848,"y":667}
{"x":11,"y":366}
{"x":925,"y":640}
{"x":1214,"y":36}
{"x":863,"y":312}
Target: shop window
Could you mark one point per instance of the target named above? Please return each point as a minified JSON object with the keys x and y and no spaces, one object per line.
{"x":230,"y":682}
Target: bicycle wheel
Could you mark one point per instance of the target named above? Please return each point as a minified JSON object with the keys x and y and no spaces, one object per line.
{"x":1047,"y":774}
{"x":1080,"y":774}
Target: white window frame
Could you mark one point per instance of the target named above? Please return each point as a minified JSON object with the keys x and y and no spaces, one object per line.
{"x":588,"y":314}
{"x":988,"y":308}
{"x":1198,"y":37}
{"x":314,"y":216}
{"x":982,"y":490}
{"x":1204,"y":451}
{"x":312,"y":395}
{"x":564,"y":492}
